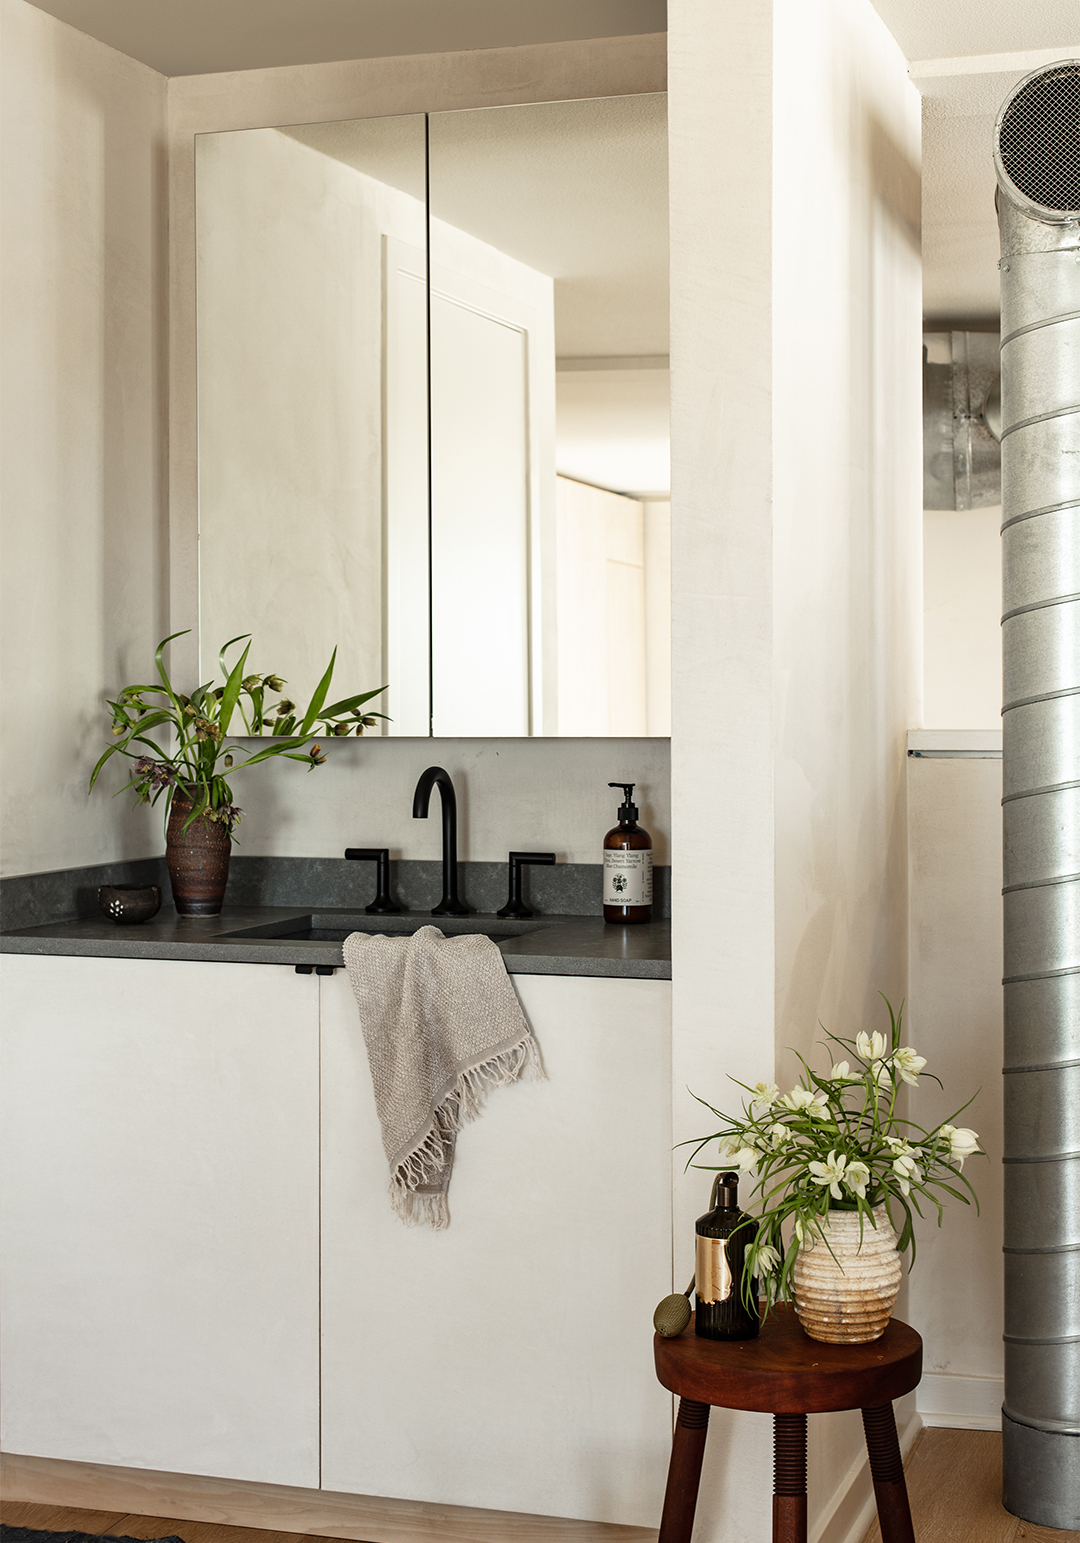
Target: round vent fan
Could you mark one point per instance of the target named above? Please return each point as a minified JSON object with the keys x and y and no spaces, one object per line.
{"x":1037,"y":143}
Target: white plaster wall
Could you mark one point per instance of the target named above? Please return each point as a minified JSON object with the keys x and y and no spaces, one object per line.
{"x":955,"y":1012}
{"x":84,"y":549}
{"x":962,"y":617}
{"x":545,"y":795}
{"x":846,"y":540}
{"x":796,"y":511}
{"x":720,"y":124}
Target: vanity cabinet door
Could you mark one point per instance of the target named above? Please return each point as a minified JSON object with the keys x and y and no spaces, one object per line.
{"x":160,"y":1208}
{"x":506,"y":1362}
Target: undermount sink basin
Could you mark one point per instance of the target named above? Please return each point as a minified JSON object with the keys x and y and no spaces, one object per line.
{"x":339,"y":934}
{"x":335,"y":928}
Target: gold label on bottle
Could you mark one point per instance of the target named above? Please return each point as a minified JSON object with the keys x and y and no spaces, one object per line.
{"x":713,"y":1279}
{"x":627,"y":877}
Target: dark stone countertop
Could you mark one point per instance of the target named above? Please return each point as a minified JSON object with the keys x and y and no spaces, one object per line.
{"x":544,"y":945}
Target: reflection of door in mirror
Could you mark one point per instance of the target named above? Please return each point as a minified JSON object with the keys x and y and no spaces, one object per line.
{"x":550,"y":464}
{"x":522,"y":587}
{"x":303,"y":236}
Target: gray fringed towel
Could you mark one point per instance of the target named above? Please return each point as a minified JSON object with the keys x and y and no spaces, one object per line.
{"x":442,"y":1025}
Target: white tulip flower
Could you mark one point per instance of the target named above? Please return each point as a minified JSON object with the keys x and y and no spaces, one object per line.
{"x":842,"y":1072}
{"x":745,"y":1158}
{"x":765,"y":1095}
{"x":830,"y":1172}
{"x":870,"y":1046}
{"x":906,"y":1170}
{"x":768,"y":1259}
{"x":856,"y":1177}
{"x":806,"y":1229}
{"x":962,"y":1143}
{"x":815,"y":1105}
{"x":908,"y":1064}
{"x":778,"y":1134}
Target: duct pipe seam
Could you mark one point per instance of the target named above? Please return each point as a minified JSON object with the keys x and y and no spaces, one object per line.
{"x":1037,"y":158}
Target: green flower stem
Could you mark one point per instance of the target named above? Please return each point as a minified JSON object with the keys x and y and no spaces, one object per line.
{"x":200,"y":724}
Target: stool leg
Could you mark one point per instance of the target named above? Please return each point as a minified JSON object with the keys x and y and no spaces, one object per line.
{"x":789,"y":1478}
{"x":684,"y":1472}
{"x":887,"y":1471}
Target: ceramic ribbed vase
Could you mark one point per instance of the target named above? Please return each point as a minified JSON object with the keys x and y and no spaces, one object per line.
{"x":846,"y":1296}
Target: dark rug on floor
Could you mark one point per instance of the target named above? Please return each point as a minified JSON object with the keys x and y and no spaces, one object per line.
{"x":34,"y":1535}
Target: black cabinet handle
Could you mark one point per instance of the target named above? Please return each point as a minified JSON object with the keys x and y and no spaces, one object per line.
{"x":518,"y":860}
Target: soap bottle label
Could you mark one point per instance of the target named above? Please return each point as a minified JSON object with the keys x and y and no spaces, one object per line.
{"x":713,"y":1279}
{"x":627,"y":877}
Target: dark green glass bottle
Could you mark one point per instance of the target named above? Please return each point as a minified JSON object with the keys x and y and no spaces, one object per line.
{"x":720,"y":1266}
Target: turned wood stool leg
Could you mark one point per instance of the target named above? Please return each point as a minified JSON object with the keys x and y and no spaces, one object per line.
{"x":684,"y":1472}
{"x":789,"y":1478}
{"x":887,"y":1471}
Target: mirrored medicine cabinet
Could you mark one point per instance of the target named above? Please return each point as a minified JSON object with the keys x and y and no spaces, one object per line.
{"x":433,"y":412}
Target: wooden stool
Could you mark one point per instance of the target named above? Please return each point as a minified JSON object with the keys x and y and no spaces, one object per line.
{"x":787,"y":1374}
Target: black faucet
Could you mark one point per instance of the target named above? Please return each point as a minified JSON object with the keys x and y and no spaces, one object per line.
{"x":449,"y":905}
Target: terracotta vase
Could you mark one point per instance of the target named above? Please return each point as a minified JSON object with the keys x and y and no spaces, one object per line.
{"x":198,"y":861}
{"x":846,"y":1296}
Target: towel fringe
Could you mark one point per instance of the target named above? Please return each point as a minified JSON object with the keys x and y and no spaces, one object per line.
{"x":423,"y":1168}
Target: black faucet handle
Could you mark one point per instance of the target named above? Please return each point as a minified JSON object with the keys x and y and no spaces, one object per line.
{"x":518,"y":860}
{"x":382,"y":905}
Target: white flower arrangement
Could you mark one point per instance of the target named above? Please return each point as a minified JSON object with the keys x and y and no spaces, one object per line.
{"x":837,"y":1143}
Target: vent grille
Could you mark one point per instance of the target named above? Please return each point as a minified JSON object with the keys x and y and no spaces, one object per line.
{"x":1038,"y":139}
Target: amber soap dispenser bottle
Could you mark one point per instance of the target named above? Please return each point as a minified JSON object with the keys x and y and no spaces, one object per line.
{"x":627,"y":865}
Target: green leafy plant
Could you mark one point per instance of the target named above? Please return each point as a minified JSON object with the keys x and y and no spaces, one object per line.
{"x":195,"y":767}
{"x":838,"y":1143}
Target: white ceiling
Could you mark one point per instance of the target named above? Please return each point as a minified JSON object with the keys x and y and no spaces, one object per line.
{"x":190,"y":37}
{"x":941,"y":29}
{"x":960,"y":232}
{"x":195,"y":37}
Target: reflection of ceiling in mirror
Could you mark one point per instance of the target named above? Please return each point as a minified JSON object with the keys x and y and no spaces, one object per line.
{"x":577,"y":190}
{"x":612,"y":428}
{"x":389,"y":149}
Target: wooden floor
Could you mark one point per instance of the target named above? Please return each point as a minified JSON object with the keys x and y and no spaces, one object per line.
{"x":21,"y":1513}
{"x":954,"y":1485}
{"x":954,"y":1481}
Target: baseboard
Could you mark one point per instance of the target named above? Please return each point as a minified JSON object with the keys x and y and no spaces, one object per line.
{"x":279,"y":1508}
{"x":944,"y":1399}
{"x":851,"y":1509}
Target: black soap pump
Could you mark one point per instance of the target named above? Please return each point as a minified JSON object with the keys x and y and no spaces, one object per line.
{"x":720,"y":1269}
{"x":627,"y":865}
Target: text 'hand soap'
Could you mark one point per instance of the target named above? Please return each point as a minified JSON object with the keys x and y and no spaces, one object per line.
{"x":627,"y":865}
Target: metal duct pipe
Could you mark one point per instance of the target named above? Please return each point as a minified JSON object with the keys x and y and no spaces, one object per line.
{"x":1037,"y":157}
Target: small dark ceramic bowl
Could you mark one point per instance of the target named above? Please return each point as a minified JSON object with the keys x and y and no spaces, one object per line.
{"x":129,"y":902}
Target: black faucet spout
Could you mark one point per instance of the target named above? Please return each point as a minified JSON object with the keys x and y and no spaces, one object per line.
{"x":436,"y":776}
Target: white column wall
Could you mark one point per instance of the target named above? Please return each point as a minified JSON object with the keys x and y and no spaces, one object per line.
{"x":720,"y":126}
{"x":847,"y":543}
{"x":85,"y":559}
{"x":796,"y":512}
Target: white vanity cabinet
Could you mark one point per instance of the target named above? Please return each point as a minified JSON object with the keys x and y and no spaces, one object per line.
{"x":160,"y":1215}
{"x":167,"y":1126}
{"x":507,"y":1361}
